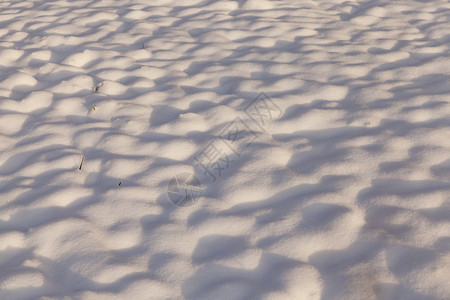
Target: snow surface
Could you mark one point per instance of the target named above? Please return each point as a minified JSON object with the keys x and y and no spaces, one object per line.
{"x":339,"y":187}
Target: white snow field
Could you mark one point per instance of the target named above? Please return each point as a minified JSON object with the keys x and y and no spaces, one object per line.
{"x":219,"y":149}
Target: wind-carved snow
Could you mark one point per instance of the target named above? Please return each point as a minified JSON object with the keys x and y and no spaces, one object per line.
{"x":344,"y":194}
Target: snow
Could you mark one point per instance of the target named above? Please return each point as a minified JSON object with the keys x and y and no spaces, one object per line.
{"x":330,"y":121}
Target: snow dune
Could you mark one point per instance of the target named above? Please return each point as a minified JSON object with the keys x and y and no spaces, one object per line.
{"x":339,"y":188}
